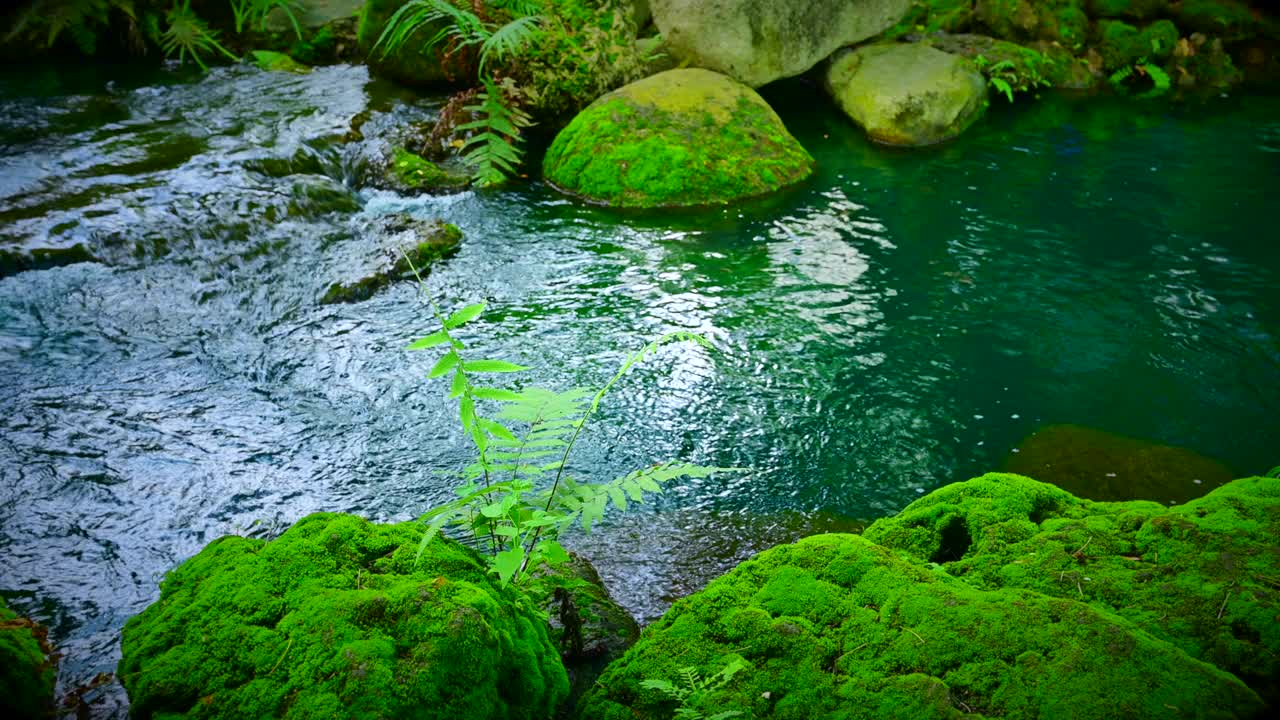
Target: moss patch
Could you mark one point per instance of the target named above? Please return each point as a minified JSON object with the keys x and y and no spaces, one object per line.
{"x":680,"y":138}
{"x":28,"y":668}
{"x":278,"y":62}
{"x":334,"y":619}
{"x":1204,"y":576}
{"x":414,"y":173}
{"x":836,"y":627}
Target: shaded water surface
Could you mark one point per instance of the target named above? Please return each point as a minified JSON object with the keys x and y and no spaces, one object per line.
{"x":901,"y":321}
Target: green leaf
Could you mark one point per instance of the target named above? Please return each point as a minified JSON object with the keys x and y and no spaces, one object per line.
{"x":443,"y":365}
{"x":458,"y":386}
{"x":436,"y":338}
{"x":507,"y":563}
{"x":619,"y":498}
{"x":484,"y":393}
{"x":465,"y":315}
{"x":492,"y":366}
{"x":495,"y":429}
{"x":553,"y":552}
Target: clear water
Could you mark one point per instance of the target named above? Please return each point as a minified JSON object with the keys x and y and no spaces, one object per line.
{"x":901,"y":321}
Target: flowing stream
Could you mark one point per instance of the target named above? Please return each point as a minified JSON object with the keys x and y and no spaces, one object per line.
{"x":901,"y":321}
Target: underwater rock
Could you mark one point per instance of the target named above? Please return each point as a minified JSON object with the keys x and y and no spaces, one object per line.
{"x":588,"y":626}
{"x":680,"y":138}
{"x":28,"y":668}
{"x":1099,"y":465}
{"x":834,"y":626}
{"x":314,"y":195}
{"x":15,"y":261}
{"x":759,"y":42}
{"x":907,"y":94}
{"x":1204,"y":576}
{"x":406,"y":64}
{"x":335,"y":619}
{"x":405,"y":239}
{"x":278,"y":62}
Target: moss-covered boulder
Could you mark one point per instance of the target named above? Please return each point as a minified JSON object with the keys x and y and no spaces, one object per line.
{"x":1028,"y":67}
{"x":411,"y":173}
{"x":907,"y":94}
{"x":757,"y":41}
{"x":1099,"y":465}
{"x":402,"y":244}
{"x":1061,"y":21}
{"x":680,"y":138}
{"x":835,"y":627}
{"x":1231,"y":20}
{"x":1204,"y":576}
{"x":932,"y":16}
{"x":334,"y":619}
{"x":278,"y":62}
{"x":406,"y":64}
{"x":28,"y":668}
{"x":1122,"y":44}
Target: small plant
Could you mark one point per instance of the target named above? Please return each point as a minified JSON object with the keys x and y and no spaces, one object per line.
{"x":1008,"y":77}
{"x":186,"y":34}
{"x":519,"y":495}
{"x":494,"y":153}
{"x":1124,"y":79}
{"x":255,"y":12}
{"x":692,"y":689}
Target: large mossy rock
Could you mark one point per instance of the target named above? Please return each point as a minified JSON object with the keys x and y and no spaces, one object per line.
{"x":333,"y":619}
{"x":28,"y":668}
{"x":835,"y":627}
{"x":1099,"y":465}
{"x":1204,"y":576}
{"x":907,"y":94}
{"x":759,"y":41}
{"x":680,"y":138}
{"x":1122,"y":44}
{"x":1060,"y":21}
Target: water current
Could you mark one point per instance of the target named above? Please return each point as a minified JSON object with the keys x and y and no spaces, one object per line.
{"x":901,"y":321}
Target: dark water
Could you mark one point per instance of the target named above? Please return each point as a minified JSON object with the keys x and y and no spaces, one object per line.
{"x":901,"y":321}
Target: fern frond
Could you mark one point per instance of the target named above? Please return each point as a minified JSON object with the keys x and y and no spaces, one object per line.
{"x":510,"y":38}
{"x":493,"y":153}
{"x":188,"y":34}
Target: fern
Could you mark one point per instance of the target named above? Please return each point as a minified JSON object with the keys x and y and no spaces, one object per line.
{"x":47,"y":20}
{"x":692,"y":688}
{"x":186,"y":34}
{"x":517,"y":498}
{"x":493,"y":152}
{"x":510,"y":38}
{"x":255,"y":12}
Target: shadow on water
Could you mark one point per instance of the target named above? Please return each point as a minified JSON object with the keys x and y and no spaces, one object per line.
{"x":900,"y":321}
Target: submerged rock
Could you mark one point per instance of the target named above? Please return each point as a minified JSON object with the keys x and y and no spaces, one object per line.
{"x":907,"y":94}
{"x":313,"y":195}
{"x":1204,"y":576}
{"x":758,"y":42}
{"x":407,"y":243}
{"x":28,"y":668}
{"x":837,"y":627}
{"x":335,"y":619}
{"x":1099,"y":465}
{"x":20,"y":259}
{"x":679,"y":138}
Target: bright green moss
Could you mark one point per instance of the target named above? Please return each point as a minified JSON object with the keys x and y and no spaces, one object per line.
{"x":334,"y":619}
{"x":1122,"y":44}
{"x":1062,"y":21}
{"x":932,"y":16}
{"x":679,"y":138}
{"x":278,"y":62}
{"x":28,"y":669}
{"x":415,"y":171}
{"x":1203,"y":575}
{"x":835,"y":627}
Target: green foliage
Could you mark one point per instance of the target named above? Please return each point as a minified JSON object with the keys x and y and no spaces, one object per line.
{"x":493,"y":150}
{"x":185,"y":34}
{"x":248,"y":13}
{"x":1006,"y":76}
{"x":44,"y":21}
{"x":692,"y":688}
{"x":518,"y":497}
{"x":1139,"y":74}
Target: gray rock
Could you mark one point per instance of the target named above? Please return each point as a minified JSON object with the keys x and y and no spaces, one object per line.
{"x":759,"y":41}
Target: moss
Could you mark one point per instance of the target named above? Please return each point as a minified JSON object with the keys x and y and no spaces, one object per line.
{"x":410,"y":172}
{"x":407,"y":64}
{"x":1063,"y":21}
{"x":1099,"y":465}
{"x":1121,"y":44}
{"x":933,"y":16}
{"x":28,"y":668}
{"x":278,"y":62}
{"x":835,"y":627}
{"x":431,"y":242}
{"x":1030,"y":67}
{"x":1202,"y":576}
{"x":680,"y":138}
{"x":1133,"y":9}
{"x":1230,"y":20}
{"x":334,"y":619}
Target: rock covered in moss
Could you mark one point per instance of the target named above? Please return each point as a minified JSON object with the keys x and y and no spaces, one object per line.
{"x":1061,"y":21}
{"x":313,"y":195}
{"x":1130,"y":9}
{"x":1122,"y":44}
{"x":933,"y":16}
{"x":759,"y":42}
{"x":1046,"y":65}
{"x":1099,"y":465}
{"x":907,"y":94}
{"x":1231,"y":20}
{"x":28,"y":668}
{"x":411,"y":173}
{"x":405,"y":244}
{"x":836,"y":627}
{"x":334,"y":619}
{"x":278,"y":62}
{"x":1204,"y":576}
{"x":676,"y":139}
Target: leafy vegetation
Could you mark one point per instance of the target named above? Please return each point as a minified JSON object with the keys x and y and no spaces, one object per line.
{"x":248,"y":13}
{"x":692,"y":688}
{"x":1006,"y":76}
{"x":519,"y":494}
{"x":1139,"y":74}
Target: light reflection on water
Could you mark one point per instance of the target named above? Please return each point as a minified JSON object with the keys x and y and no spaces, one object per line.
{"x":899,"y":322}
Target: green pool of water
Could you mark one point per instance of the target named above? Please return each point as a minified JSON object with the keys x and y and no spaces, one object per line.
{"x":902,"y":320}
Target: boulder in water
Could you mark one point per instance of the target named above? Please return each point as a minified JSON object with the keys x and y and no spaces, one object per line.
{"x":28,"y":667}
{"x":408,"y":244}
{"x":907,"y":94}
{"x":759,"y":41}
{"x":680,"y":138}
{"x":336,"y":619}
